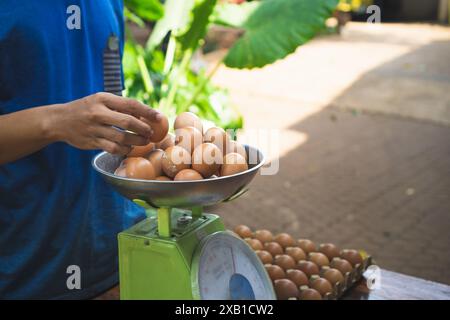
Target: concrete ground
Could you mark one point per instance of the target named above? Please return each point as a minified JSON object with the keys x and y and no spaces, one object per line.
{"x":364,"y":125}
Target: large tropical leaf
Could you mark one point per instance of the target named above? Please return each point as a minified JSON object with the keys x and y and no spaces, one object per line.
{"x":148,"y":9}
{"x":276,"y":28}
{"x":175,"y":19}
{"x":200,"y":20}
{"x":233,"y":15}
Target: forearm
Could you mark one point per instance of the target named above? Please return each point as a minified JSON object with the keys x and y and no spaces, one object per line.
{"x":25,"y":132}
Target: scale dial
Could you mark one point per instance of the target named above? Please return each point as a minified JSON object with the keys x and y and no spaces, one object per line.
{"x":224,"y":267}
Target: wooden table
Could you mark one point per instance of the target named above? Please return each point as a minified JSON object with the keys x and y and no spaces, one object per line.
{"x":394,"y":286}
{"x":397,"y":286}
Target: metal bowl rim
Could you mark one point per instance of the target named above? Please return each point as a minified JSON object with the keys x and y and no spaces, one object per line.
{"x":255,"y":168}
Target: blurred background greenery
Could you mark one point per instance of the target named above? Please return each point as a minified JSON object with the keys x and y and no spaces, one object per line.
{"x":163,"y":69}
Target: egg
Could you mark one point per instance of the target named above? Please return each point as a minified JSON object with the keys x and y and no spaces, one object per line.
{"x":329,"y":249}
{"x":306,"y":245}
{"x":323,"y":286}
{"x":263,"y":235}
{"x":141,"y":151}
{"x":174,"y":160}
{"x":275,"y":272}
{"x":233,"y":163}
{"x":318,"y":258}
{"x":236,"y":147}
{"x":308,"y":267}
{"x":297,"y":276}
{"x":155,"y":157}
{"x":188,"y":138}
{"x":187,"y":175}
{"x":254,"y":244}
{"x":342,"y":265}
{"x":333,"y":275}
{"x":285,"y":240}
{"x":243,"y":231}
{"x":274,"y":248}
{"x":217,"y":136}
{"x":139,"y":168}
{"x":120,"y":171}
{"x":168,"y":141}
{"x":264,"y":256}
{"x":206,"y":159}
{"x":284,"y":261}
{"x":352,"y":256}
{"x":188,"y":119}
{"x":163,"y":178}
{"x":159,"y":128}
{"x":309,"y":294}
{"x":296,"y":253}
{"x":285,"y":289}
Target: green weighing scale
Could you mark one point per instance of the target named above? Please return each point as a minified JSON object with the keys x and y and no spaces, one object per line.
{"x":181,"y":252}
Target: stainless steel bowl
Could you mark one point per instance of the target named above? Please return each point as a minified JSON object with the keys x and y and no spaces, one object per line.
{"x":180,"y":194}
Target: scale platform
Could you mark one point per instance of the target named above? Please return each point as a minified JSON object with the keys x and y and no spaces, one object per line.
{"x":181,"y":252}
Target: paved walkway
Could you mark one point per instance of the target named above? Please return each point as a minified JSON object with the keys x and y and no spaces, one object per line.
{"x":364,"y":121}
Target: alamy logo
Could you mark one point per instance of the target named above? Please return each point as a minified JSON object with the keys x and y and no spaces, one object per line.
{"x":74,"y":280}
{"x":375,"y":12}
{"x":74,"y":19}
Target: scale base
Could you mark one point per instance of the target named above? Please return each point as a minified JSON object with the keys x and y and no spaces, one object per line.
{"x":156,"y":267}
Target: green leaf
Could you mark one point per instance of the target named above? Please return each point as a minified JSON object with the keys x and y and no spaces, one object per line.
{"x":149,"y":10}
{"x":276,"y":28}
{"x":200,"y":20}
{"x":233,"y":15}
{"x":175,"y":19}
{"x":130,"y":16}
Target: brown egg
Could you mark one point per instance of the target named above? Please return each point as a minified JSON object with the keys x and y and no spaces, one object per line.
{"x":296,"y":253}
{"x":174,"y":160}
{"x":318,"y":258}
{"x":139,"y":168}
{"x":275,"y":272}
{"x":309,"y":294}
{"x":306,"y":245}
{"x":188,"y":138}
{"x":323,"y":286}
{"x":351,"y":256}
{"x":155,"y":157}
{"x":264,"y":235}
{"x":285,"y":240}
{"x":284,"y":261}
{"x":243,"y":231}
{"x":297,"y":276}
{"x":217,"y":136}
{"x":163,"y":178}
{"x":188,"y":119}
{"x":274,"y":248}
{"x":159,"y":128}
{"x":233,"y":163}
{"x":206,"y":159}
{"x":168,"y":141}
{"x":264,"y":256}
{"x":236,"y":147}
{"x":254,"y":244}
{"x":342,"y":265}
{"x":333,"y":275}
{"x":187,"y":175}
{"x":308,"y":267}
{"x":330,"y":250}
{"x":285,"y":289}
{"x":141,"y":151}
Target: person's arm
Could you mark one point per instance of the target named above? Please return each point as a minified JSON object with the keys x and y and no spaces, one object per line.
{"x":86,"y":123}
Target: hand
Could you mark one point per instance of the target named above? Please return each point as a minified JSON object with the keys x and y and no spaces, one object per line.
{"x":89,"y":123}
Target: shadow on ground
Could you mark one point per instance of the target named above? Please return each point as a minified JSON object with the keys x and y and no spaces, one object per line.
{"x":364,"y":180}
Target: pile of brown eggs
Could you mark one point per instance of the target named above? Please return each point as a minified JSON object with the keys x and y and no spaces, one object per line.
{"x":189,"y":154}
{"x":297,"y":267}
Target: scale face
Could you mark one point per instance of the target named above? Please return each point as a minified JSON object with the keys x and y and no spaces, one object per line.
{"x":224,"y":267}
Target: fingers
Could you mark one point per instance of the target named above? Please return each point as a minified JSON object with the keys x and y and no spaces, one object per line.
{"x":129,"y":106}
{"x":112,"y":147}
{"x":121,"y":137}
{"x":126,"y":122}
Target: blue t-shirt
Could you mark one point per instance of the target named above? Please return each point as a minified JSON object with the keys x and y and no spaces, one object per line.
{"x":55,"y":210}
